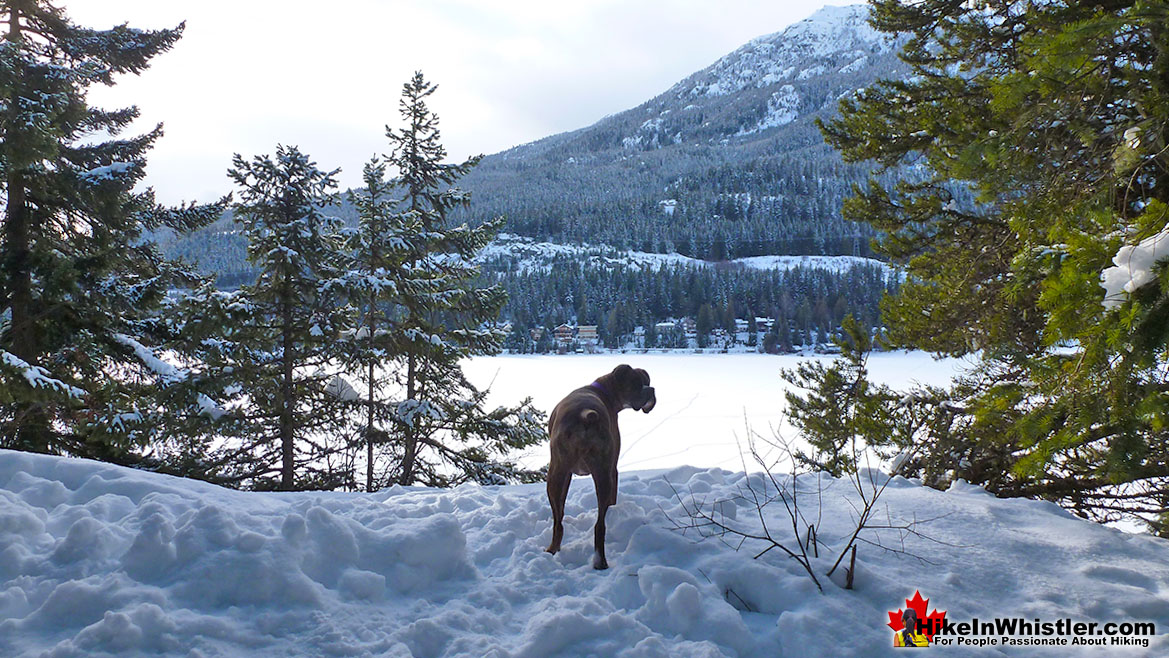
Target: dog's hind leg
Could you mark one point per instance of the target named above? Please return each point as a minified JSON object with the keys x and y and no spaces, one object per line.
{"x":605,"y":491}
{"x":558,"y":481}
{"x":613,"y":495}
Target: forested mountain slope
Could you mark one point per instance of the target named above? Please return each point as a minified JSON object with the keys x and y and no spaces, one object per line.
{"x":726,"y":163}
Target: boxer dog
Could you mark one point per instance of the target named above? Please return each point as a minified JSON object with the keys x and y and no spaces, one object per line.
{"x":585,"y":441}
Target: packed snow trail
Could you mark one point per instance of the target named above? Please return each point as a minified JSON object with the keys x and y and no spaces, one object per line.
{"x":99,"y":560}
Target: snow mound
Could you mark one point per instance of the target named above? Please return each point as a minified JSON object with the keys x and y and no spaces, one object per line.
{"x":98,"y":560}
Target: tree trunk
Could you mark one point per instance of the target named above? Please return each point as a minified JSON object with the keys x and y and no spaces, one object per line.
{"x":287,"y":446}
{"x":31,"y":424}
{"x":411,"y":437}
{"x":372,"y":326}
{"x":31,"y":419}
{"x":16,"y":269}
{"x":369,"y":433}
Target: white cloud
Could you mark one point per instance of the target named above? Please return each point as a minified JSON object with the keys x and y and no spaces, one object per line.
{"x":249,"y":74}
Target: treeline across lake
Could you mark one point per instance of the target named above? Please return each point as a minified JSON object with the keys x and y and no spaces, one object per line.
{"x":619,"y":291}
{"x":803,"y":306}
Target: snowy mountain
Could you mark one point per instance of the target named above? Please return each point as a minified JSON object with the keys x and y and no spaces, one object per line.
{"x":767,"y":83}
{"x":834,"y":39}
{"x":725,"y":163}
{"x":723,"y":171}
{"x":832,"y":44}
{"x":98,"y":560}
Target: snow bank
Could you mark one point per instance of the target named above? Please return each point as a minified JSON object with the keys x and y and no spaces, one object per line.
{"x":98,"y":560}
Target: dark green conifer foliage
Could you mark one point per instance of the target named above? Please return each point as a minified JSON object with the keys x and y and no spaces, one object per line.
{"x":651,"y":334}
{"x":381,"y":251}
{"x":81,"y":280}
{"x":842,"y":413}
{"x":1043,"y":129}
{"x":441,"y":427}
{"x":280,"y":346}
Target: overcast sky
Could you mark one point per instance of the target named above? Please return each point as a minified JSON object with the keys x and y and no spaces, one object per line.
{"x":250,"y":74}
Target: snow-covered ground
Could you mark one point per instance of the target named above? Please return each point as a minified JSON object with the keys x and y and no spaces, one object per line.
{"x":98,"y":560}
{"x":705,"y":401}
{"x":526,"y":255}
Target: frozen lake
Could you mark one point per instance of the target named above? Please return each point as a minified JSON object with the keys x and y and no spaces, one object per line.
{"x":705,"y":401}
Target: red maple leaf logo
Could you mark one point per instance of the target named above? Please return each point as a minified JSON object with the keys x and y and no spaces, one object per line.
{"x":930,"y":623}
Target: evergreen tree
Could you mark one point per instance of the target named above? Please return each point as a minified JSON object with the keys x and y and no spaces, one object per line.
{"x":280,"y":346}
{"x":379,"y":274}
{"x":770,"y":343}
{"x":82,"y":282}
{"x":842,"y":413}
{"x":1043,"y":129}
{"x":613,"y":328}
{"x":444,"y":432}
{"x":544,"y":343}
{"x":728,"y":322}
{"x":783,"y":334}
{"x":704,"y":324}
{"x":516,"y":341}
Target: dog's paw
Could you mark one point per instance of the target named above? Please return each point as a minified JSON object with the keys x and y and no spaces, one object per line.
{"x":599,"y":563}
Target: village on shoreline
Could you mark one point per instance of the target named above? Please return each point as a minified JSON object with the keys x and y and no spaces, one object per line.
{"x":672,"y":336}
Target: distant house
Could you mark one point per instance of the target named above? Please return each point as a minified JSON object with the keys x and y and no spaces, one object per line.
{"x":536,"y":333}
{"x":690,"y":327}
{"x":587,"y":335}
{"x":563,"y":334}
{"x":741,"y":325}
{"x":764,"y":324}
{"x":664,"y":326}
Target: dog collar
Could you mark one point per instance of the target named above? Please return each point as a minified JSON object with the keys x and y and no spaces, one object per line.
{"x":600,"y":387}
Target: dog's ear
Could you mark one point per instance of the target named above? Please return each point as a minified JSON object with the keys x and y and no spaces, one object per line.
{"x":644,"y":376}
{"x":622,"y":371}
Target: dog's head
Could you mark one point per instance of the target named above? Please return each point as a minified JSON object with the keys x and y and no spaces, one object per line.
{"x":631,"y":386}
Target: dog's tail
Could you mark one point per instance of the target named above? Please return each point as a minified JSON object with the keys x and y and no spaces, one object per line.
{"x":589,"y":416}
